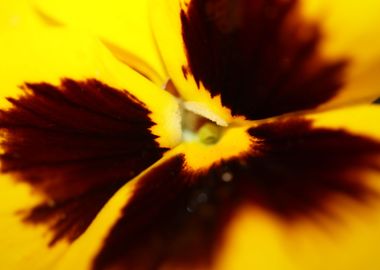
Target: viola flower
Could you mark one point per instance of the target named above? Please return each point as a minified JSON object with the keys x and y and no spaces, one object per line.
{"x":250,"y":156}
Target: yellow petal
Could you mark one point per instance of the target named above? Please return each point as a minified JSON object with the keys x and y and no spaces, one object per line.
{"x":55,"y":55}
{"x":347,"y":239}
{"x":256,"y":240}
{"x":361,"y":119}
{"x":58,"y":54}
{"x":123,"y":26}
{"x":21,"y":243}
{"x":266,"y":59}
{"x":83,"y":252}
{"x":349,"y":31}
{"x":166,"y":25}
{"x":344,"y":237}
{"x":85,"y":249}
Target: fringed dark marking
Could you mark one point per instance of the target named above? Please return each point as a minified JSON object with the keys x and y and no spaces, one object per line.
{"x":261,"y":56}
{"x":76,"y":143}
{"x":295,"y":169}
{"x":176,"y":218}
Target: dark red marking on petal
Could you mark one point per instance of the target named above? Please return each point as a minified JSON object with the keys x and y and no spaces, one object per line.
{"x":261,"y":56}
{"x":70,"y":217}
{"x":175,"y":219}
{"x":185,"y":71}
{"x":296,"y":169}
{"x":76,"y":144}
{"x":168,"y":223}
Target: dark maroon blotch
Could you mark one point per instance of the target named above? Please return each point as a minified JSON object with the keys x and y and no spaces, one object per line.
{"x":260,"y":55}
{"x":76,"y":144}
{"x":177,"y":217}
{"x":296,"y":169}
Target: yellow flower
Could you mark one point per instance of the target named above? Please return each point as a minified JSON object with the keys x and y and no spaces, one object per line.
{"x":170,"y":134}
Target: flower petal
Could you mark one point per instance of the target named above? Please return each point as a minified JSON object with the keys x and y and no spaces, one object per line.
{"x":22,"y":245}
{"x":58,"y":54}
{"x":299,"y":190}
{"x":122,"y":25}
{"x":76,"y":256}
{"x":77,"y":164}
{"x":266,"y":58}
{"x":346,"y":240}
{"x":256,"y":240}
{"x":351,"y":37}
{"x":166,"y":27}
{"x":71,"y":142}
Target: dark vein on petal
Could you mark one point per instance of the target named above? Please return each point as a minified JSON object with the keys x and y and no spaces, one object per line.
{"x":261,"y":56}
{"x":75,"y":144}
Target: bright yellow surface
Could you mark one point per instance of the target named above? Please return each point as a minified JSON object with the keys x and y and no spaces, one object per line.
{"x":23,"y":245}
{"x":351,"y":30}
{"x":364,"y":119}
{"x":122,"y":24}
{"x":17,"y":14}
{"x":234,"y":142}
{"x":52,"y":54}
{"x":256,"y":240}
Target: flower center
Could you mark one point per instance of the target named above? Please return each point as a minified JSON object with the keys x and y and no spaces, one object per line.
{"x":210,"y":133}
{"x":201,"y":125}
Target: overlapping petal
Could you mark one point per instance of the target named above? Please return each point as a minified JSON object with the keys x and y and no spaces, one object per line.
{"x":286,"y":193}
{"x":52,"y":55}
{"x":266,"y":58}
{"x":312,"y":202}
{"x":76,"y":124}
{"x":348,"y":240}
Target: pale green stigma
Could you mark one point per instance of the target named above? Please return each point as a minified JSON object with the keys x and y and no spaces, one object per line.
{"x":210,"y":133}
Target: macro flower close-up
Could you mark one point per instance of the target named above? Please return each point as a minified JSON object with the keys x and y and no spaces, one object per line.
{"x":190,"y":134}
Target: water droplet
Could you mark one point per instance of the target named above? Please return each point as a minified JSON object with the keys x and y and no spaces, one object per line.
{"x":227,"y":177}
{"x":196,"y":201}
